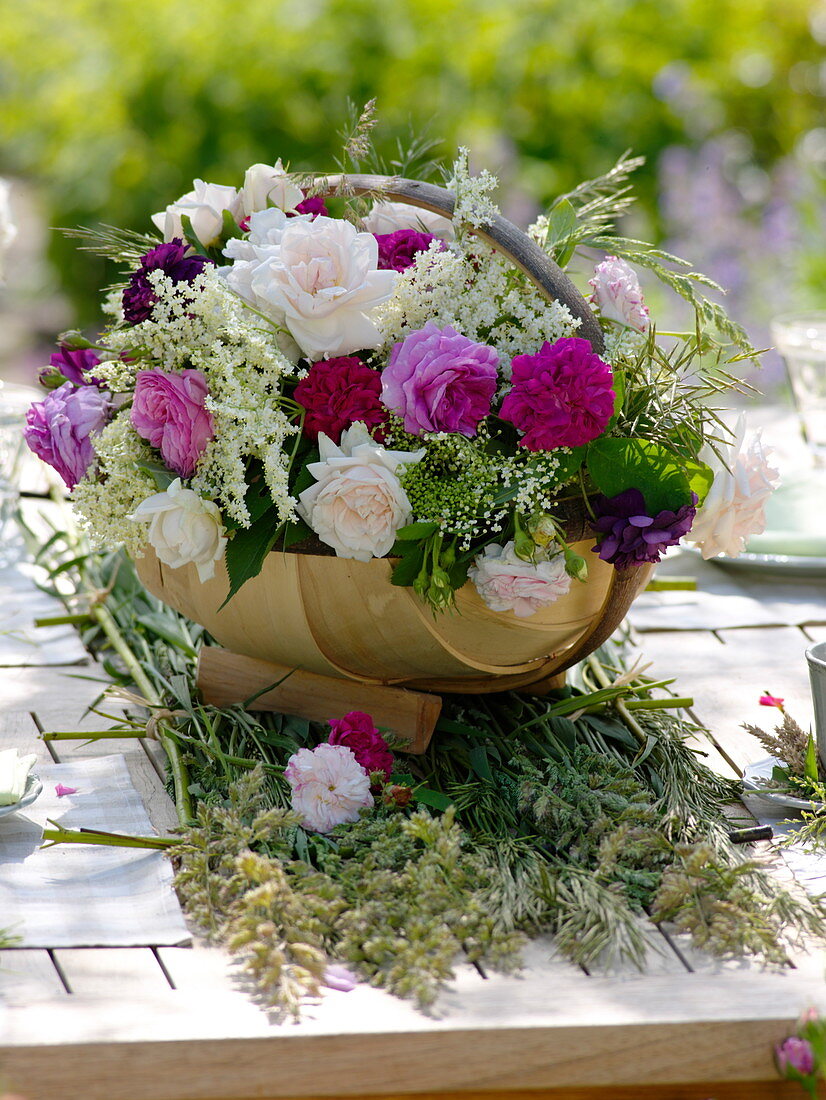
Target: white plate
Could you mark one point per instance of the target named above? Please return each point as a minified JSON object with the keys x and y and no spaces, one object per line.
{"x":32,"y":790}
{"x":762,"y":769}
{"x":793,"y":565}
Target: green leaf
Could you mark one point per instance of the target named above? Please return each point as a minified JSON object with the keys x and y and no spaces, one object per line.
{"x":161,"y":625}
{"x":415,"y":531}
{"x":810,"y":763}
{"x":230,"y":227}
{"x":246,"y":552}
{"x":409,"y":566}
{"x":780,"y":776}
{"x":304,"y":478}
{"x":449,"y":725}
{"x":661,"y":475}
{"x":159,"y":474}
{"x":562,"y":222}
{"x":478,"y":759}
{"x":191,"y":239}
{"x":435,"y":799}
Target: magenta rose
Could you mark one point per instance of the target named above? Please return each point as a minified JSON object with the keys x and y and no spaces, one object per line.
{"x":398,"y":251}
{"x":338,"y":392}
{"x":169,"y":413}
{"x":357,"y":733}
{"x":59,"y":429}
{"x":561,"y":397}
{"x":439,"y":381}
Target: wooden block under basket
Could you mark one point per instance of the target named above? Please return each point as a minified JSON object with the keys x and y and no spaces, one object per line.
{"x":225,"y":678}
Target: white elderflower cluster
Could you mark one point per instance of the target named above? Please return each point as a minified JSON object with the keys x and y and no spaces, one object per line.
{"x":108,"y":495}
{"x":206,"y":326}
{"x":480,"y":294}
{"x":474,"y":206}
{"x":623,"y":343}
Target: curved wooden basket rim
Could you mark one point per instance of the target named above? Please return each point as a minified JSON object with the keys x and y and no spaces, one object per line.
{"x":501,"y":233}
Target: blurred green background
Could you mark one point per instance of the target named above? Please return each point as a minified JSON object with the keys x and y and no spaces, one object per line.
{"x":109,"y":109}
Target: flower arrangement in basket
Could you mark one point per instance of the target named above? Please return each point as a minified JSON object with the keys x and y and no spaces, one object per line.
{"x":335,"y":365}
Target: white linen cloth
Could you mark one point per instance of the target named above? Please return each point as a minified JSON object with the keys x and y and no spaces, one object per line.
{"x":79,"y":895}
{"x":21,"y":642}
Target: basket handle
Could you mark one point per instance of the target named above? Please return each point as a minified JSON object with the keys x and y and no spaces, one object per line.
{"x":508,"y":238}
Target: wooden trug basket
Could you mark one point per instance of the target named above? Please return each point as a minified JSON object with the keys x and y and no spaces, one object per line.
{"x":349,"y":629}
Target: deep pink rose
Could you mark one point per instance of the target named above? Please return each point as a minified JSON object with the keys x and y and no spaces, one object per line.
{"x":338,"y":392}
{"x":439,"y":381}
{"x":561,"y":397}
{"x":169,"y":413}
{"x":357,"y":733}
{"x":398,"y":250}
{"x":59,"y":429}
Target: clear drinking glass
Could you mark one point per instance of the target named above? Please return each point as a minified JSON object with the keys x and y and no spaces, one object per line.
{"x":801,"y":340}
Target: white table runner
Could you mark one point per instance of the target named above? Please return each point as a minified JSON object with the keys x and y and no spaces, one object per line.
{"x":74,"y":895}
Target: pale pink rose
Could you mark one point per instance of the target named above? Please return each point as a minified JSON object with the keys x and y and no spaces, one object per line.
{"x":357,"y":503}
{"x":617,"y":294}
{"x":389,"y":217}
{"x":204,"y":206}
{"x":506,"y":583}
{"x":734,"y":509}
{"x":329,"y":786}
{"x":318,"y":277}
{"x":269,"y":185}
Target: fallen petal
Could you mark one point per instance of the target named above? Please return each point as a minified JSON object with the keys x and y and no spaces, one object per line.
{"x":339,"y":977}
{"x":60,"y":790}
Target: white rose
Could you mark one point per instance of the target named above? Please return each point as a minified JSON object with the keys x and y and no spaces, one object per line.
{"x":184,"y":528}
{"x":266,"y":186}
{"x":204,"y":207}
{"x":507,"y":583}
{"x":617,"y":294}
{"x":388,"y":217}
{"x":357,"y":504}
{"x":734,"y":509}
{"x":322,"y":281}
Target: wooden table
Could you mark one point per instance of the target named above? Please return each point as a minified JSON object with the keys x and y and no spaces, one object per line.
{"x":170,"y":1023}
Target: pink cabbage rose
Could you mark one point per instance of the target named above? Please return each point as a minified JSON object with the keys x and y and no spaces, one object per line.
{"x":439,"y":381}
{"x":507,"y":583}
{"x":329,"y":787}
{"x":169,"y":413}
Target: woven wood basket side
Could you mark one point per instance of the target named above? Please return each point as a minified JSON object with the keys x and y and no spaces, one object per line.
{"x":345,"y":619}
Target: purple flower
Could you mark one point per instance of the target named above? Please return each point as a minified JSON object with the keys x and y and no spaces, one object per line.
{"x":561,"y":397}
{"x":313,"y":205}
{"x":76,"y":364}
{"x":169,"y":413}
{"x":440,"y":381}
{"x":171,"y":258}
{"x":59,"y":429}
{"x":795,"y":1054}
{"x":398,"y":251}
{"x":630,"y":536}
